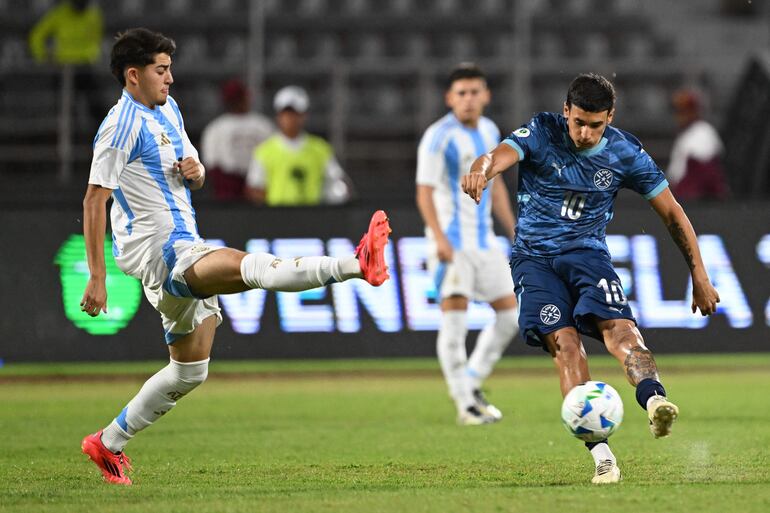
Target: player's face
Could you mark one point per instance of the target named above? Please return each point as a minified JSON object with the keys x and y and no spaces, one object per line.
{"x":290,"y":122}
{"x":467,"y":98}
{"x":155,"y":79}
{"x":586,"y":128}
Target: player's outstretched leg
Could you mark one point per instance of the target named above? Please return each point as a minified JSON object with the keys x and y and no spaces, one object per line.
{"x":624,"y":342}
{"x":268,"y":272}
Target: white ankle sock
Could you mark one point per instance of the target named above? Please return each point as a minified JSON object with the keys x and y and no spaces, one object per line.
{"x":602,"y":452}
{"x":492,"y":341}
{"x":268,"y":272}
{"x":157,"y":396}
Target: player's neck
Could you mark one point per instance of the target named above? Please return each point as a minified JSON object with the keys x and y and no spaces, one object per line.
{"x":471,"y":124}
{"x":136,"y":95}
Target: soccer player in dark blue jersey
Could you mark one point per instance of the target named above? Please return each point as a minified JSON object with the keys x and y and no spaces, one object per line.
{"x":571,"y":168}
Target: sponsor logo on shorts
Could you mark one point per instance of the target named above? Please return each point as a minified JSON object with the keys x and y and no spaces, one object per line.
{"x":550,"y":314}
{"x":199,"y":249}
{"x":603,"y":179}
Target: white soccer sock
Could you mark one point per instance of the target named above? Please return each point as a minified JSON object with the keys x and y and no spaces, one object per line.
{"x":450,"y":347}
{"x":268,"y":272}
{"x":492,"y":341}
{"x":602,"y":452}
{"x":157,"y":396}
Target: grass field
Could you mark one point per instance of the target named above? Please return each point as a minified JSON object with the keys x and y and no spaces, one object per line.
{"x":365,"y":436}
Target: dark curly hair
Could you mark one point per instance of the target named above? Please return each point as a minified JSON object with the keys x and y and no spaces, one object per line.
{"x":137,"y":47}
{"x":591,"y":92}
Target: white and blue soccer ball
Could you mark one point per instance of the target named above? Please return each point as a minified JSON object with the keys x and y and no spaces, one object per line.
{"x":592,"y":411}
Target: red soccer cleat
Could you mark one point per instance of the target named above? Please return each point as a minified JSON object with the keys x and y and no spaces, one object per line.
{"x":109,"y":463}
{"x":371,"y":250}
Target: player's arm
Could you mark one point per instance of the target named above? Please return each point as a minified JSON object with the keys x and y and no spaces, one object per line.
{"x":501,"y":208}
{"x":427,"y":209}
{"x":487,"y":167}
{"x":94,"y":226}
{"x":704,"y":295}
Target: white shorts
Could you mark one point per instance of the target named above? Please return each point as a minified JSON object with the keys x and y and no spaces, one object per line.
{"x":477,"y":274}
{"x":167,"y":291}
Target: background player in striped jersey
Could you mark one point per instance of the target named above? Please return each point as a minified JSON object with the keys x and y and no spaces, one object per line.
{"x":145,"y":161}
{"x":464,"y":256}
{"x":571,"y":168}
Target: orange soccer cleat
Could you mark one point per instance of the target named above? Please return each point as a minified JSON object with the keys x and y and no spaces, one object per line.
{"x":371,"y":250}
{"x":109,"y":463}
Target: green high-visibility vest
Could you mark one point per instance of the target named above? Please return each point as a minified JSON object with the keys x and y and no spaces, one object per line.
{"x":77,"y":36}
{"x":294,"y":177}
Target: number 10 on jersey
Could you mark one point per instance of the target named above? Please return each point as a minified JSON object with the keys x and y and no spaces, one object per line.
{"x":573,"y":204}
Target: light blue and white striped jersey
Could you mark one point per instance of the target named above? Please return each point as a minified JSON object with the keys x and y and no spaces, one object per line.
{"x":134,"y":153}
{"x":446,"y":152}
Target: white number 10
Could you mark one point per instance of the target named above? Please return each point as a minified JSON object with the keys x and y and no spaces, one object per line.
{"x":613,"y":291}
{"x":573,"y":204}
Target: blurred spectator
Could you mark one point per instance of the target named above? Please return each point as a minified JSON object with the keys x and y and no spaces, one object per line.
{"x":695,"y":169}
{"x":229,"y":140}
{"x":292,"y":167}
{"x":70,"y":34}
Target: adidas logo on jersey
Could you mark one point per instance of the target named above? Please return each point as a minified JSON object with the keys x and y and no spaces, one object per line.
{"x":164,"y":140}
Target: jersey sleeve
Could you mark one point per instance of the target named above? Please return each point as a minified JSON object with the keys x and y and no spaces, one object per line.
{"x":430,"y":161}
{"x":529,"y":139}
{"x":644,"y":176}
{"x":112,"y":147}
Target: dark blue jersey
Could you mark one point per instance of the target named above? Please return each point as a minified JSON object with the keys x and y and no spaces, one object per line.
{"x":566,"y":196}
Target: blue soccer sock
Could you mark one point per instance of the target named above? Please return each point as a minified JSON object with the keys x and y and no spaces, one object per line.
{"x":647,"y":388}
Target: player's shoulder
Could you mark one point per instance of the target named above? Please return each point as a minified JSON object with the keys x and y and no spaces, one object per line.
{"x":547,"y":121}
{"x":121,"y":120}
{"x":622,"y":142}
{"x":318,"y":143}
{"x":438,"y":133}
{"x":487,"y":125}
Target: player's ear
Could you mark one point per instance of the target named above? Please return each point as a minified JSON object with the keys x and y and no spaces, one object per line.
{"x":447,"y":98}
{"x":566,"y":110}
{"x":610,"y":115}
{"x":132,"y":75}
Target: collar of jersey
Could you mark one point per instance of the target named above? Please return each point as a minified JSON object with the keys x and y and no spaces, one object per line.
{"x":139,"y":105}
{"x":461,"y":125}
{"x":588,"y":152}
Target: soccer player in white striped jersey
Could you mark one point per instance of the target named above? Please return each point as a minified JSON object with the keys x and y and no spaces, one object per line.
{"x":464,"y":257}
{"x":145,"y":161}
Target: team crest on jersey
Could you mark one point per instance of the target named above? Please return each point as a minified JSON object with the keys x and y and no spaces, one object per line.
{"x":550,"y":314}
{"x":522,"y":132}
{"x":603,"y":179}
{"x":164,"y":140}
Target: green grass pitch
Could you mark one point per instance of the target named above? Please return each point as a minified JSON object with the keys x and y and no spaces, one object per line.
{"x":367,"y":436}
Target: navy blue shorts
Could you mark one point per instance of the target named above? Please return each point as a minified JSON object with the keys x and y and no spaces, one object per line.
{"x":573,"y":289}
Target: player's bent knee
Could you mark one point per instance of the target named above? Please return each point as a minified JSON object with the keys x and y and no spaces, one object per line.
{"x":189,"y":375}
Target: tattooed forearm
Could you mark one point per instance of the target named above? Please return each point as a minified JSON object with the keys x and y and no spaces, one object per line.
{"x":677,"y":233}
{"x":639,"y":365}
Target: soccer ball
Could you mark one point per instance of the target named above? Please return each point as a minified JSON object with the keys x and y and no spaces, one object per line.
{"x":592,"y":411}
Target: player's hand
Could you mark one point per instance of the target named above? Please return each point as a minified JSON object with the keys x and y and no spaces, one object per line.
{"x":444,"y":249}
{"x":473,"y":184}
{"x":704,"y":297}
{"x":95,"y":297}
{"x":190,"y":169}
